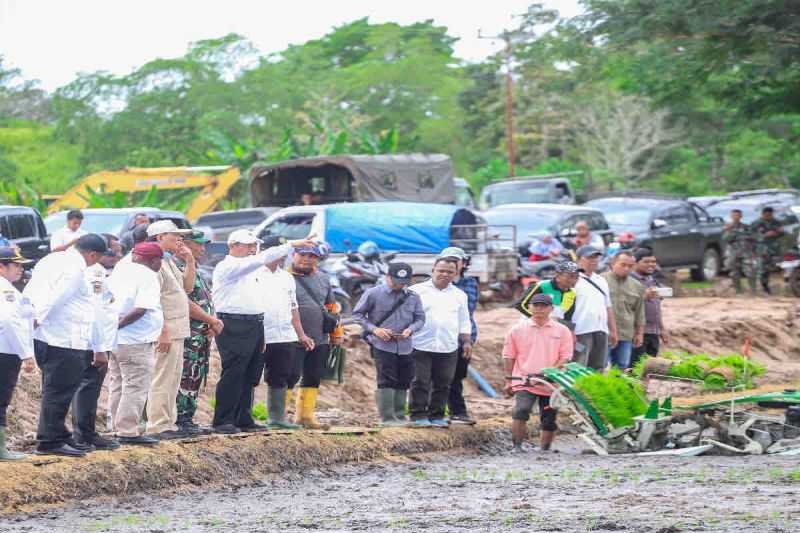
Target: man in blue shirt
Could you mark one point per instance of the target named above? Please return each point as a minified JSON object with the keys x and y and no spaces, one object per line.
{"x":455,"y":401}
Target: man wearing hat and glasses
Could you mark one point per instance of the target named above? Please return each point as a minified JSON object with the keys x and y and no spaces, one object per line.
{"x":595,"y":327}
{"x":561,"y":291}
{"x":16,"y":337}
{"x":531,"y":346}
{"x":237,"y":297}
{"x":63,"y":340}
{"x":203,"y":325}
{"x":390,"y":314}
{"x":162,"y":411}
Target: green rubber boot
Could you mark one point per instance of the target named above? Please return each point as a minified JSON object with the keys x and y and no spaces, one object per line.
{"x":276,"y":407}
{"x":400,"y":404}
{"x":384,"y":399}
{"x":5,"y":454}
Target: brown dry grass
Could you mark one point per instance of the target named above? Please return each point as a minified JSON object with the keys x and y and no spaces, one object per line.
{"x":214,"y":460}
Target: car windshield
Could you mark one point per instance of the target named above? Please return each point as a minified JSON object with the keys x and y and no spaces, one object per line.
{"x":516,"y":193}
{"x":623,"y":215}
{"x":723,"y":209}
{"x":525,"y":221}
{"x":290,"y":227}
{"x":92,"y":222}
{"x":464,"y":197}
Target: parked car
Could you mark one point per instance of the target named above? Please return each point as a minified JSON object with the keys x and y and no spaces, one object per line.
{"x":680,"y":233}
{"x":218,"y":225}
{"x":518,"y":224}
{"x":24,"y":228}
{"x":114,"y":221}
{"x":529,"y":190}
{"x":751,"y":207}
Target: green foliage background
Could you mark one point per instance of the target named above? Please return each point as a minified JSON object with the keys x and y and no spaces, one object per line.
{"x":725,"y":74}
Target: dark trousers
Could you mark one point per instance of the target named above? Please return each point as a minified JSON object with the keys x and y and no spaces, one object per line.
{"x":308,"y":365}
{"x":9,"y":373}
{"x":433,"y":374}
{"x":241,"y":346}
{"x":455,"y":401}
{"x":280,"y":363}
{"x":650,"y":346}
{"x":84,"y":403}
{"x":62,"y":371}
{"x":393,"y":371}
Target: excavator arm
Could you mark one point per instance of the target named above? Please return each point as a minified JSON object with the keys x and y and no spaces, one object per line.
{"x":214,"y":183}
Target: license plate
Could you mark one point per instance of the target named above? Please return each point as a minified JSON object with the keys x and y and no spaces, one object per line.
{"x":790,"y":264}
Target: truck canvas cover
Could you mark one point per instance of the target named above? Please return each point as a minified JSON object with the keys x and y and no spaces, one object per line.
{"x":356,"y":178}
{"x":394,"y":226}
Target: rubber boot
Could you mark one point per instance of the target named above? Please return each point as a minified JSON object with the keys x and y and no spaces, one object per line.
{"x":5,"y":454}
{"x":752,"y":282}
{"x":384,"y":399}
{"x":400,"y":405}
{"x":765,"y":286}
{"x":547,"y":438}
{"x":276,"y":406}
{"x":306,"y":405}
{"x":737,"y":284}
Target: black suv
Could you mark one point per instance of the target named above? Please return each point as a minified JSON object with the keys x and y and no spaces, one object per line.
{"x":23,"y":227}
{"x":680,"y":233}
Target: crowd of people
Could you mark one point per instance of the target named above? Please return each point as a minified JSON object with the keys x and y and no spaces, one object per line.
{"x":145,"y":321}
{"x":752,"y":249}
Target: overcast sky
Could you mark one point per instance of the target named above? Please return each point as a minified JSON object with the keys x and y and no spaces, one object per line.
{"x":54,"y":40}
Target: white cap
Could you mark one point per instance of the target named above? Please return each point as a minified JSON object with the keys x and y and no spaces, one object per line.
{"x":243,"y":236}
{"x":165,"y":226}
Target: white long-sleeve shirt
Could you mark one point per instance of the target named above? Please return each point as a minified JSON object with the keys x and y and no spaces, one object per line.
{"x":64,"y":236}
{"x":446,"y":317}
{"x":62,"y":301}
{"x":135,"y":285}
{"x":236,"y":285}
{"x":279,"y":300}
{"x":16,"y":321}
{"x":104,"y":335}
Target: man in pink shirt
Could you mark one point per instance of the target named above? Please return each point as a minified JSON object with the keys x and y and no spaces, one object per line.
{"x":531,"y":346}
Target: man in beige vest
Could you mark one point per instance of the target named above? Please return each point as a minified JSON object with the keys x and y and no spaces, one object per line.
{"x":162,"y":410}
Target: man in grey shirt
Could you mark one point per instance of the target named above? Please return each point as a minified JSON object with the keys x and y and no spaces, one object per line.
{"x":390,"y":314}
{"x":313,"y":294}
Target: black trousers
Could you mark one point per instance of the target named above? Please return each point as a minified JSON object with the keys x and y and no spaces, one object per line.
{"x":84,"y":403}
{"x":433,"y":374}
{"x":393,"y":371}
{"x":241,"y":346}
{"x":62,"y":371}
{"x":455,"y":401}
{"x":308,"y":365}
{"x":650,"y":346}
{"x":280,"y":364}
{"x":9,"y":373}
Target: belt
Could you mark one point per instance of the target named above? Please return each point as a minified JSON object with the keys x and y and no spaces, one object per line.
{"x":233,"y":316}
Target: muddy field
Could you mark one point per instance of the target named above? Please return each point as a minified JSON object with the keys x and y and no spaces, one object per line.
{"x":491,"y":491}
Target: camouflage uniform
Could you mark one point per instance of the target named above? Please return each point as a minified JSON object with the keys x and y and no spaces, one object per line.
{"x":739,"y":255}
{"x":196,"y":352}
{"x":768,"y":249}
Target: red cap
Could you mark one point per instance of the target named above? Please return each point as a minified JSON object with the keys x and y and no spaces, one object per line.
{"x":148,"y":250}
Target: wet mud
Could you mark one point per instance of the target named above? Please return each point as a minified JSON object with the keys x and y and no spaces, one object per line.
{"x":493,"y":490}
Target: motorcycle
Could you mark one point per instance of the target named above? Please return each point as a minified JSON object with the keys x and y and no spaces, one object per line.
{"x":512,"y":290}
{"x":791,"y":270}
{"x":360,"y":270}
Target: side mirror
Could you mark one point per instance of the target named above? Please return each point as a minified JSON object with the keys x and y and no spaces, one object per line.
{"x":659,"y":223}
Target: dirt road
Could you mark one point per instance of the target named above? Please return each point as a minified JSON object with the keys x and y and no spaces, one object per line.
{"x":474,"y":493}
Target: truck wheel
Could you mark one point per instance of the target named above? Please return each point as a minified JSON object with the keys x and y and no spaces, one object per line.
{"x":709,"y":268}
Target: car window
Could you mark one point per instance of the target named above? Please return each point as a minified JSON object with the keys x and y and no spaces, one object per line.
{"x":21,"y":227}
{"x":597,"y":222}
{"x":237,"y":218}
{"x":621,"y":215}
{"x":679,"y":215}
{"x":516,"y":193}
{"x":290,"y":227}
{"x":464,"y":197}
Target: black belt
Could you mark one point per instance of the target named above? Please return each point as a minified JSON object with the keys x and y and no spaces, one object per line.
{"x":233,"y":316}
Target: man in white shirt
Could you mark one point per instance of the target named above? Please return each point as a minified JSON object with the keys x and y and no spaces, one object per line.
{"x":69,"y":234}
{"x":595,"y":328}
{"x":84,"y":403}
{"x":436,"y":344}
{"x":66,"y":327}
{"x":238,"y":298}
{"x":137,"y":294}
{"x":282,"y":331}
{"x":16,"y":337}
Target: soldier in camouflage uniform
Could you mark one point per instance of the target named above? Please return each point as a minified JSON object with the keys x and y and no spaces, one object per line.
{"x":739,"y":251}
{"x":197,"y":347}
{"x":767,"y":232}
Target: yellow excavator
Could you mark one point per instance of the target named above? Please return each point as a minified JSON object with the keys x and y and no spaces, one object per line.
{"x":214,"y":182}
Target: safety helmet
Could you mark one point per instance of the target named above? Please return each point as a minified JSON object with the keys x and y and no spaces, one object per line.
{"x":324,"y":250}
{"x":369,"y":250}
